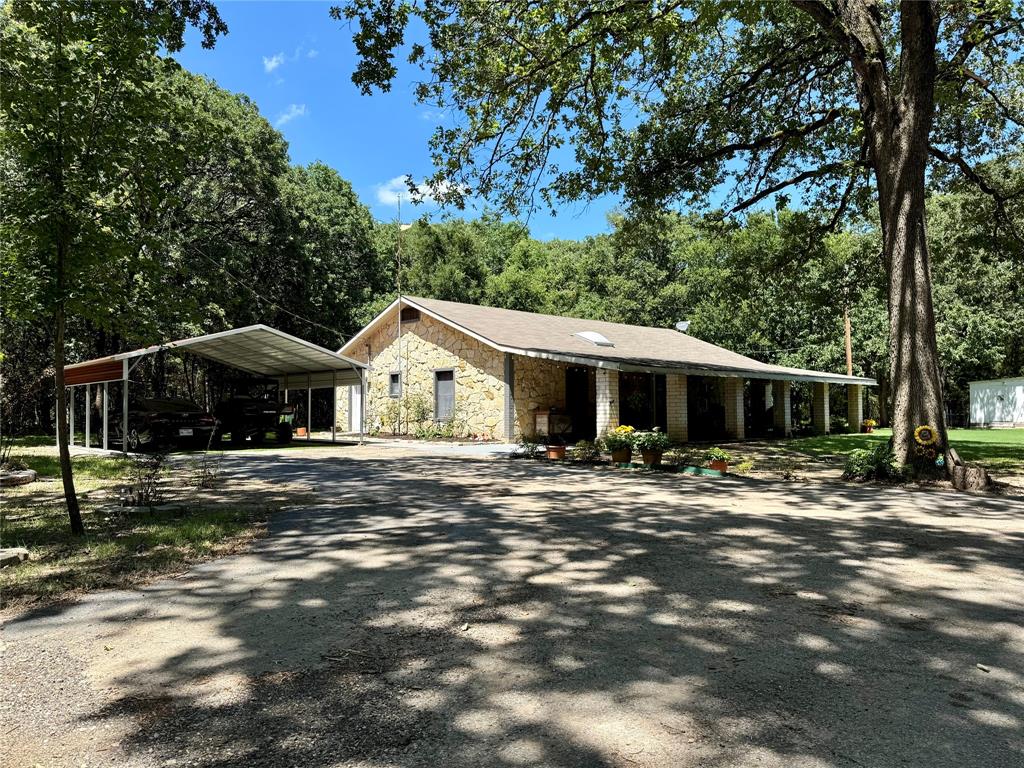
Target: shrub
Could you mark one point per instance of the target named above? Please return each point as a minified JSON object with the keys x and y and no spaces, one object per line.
{"x":585,"y":450}
{"x":838,"y":425}
{"x":744,"y":467}
{"x":619,"y":439}
{"x":717,"y":454}
{"x":679,"y":457}
{"x":877,"y":463}
{"x":526,"y":449}
{"x":651,"y":441}
{"x":418,"y":409}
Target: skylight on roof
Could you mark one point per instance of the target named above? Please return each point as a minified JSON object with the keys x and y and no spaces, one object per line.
{"x":594,"y":338}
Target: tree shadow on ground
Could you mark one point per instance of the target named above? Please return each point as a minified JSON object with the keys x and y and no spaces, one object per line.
{"x":446,"y":611}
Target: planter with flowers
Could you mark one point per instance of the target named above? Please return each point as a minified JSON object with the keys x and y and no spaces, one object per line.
{"x":651,"y":445}
{"x":619,"y":442}
{"x":717,"y":459}
{"x":554,"y":447}
{"x":868,"y":425}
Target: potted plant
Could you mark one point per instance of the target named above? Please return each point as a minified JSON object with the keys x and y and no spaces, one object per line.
{"x":868,"y":425}
{"x":619,"y":443}
{"x":554,"y":446}
{"x":717,"y":459}
{"x":652,"y":445}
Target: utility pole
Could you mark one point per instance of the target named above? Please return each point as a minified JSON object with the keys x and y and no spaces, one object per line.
{"x":849,"y":341}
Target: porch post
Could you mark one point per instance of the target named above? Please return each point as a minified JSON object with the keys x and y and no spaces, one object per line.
{"x":819,"y":404}
{"x":676,"y":407}
{"x":510,"y":397}
{"x":782,"y":408}
{"x":88,"y":415}
{"x":854,"y":406}
{"x":106,"y":417}
{"x":309,"y":408}
{"x":607,"y":385}
{"x":71,"y":417}
{"x":735,"y":426}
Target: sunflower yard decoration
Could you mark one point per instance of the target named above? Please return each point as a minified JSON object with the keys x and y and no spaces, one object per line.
{"x":928,"y":452}
{"x":926,"y":435}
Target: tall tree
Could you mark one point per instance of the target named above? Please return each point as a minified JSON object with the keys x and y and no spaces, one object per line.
{"x":665,"y":100}
{"x":80,"y":103}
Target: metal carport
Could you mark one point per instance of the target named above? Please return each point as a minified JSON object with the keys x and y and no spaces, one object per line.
{"x":255,"y":349}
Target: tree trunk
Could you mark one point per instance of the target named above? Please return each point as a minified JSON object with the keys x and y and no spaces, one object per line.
{"x":70,"y":497}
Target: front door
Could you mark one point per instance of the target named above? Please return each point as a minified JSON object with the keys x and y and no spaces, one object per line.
{"x":581,"y":402}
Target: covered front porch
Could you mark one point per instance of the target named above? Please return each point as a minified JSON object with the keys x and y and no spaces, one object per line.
{"x":582,"y":402}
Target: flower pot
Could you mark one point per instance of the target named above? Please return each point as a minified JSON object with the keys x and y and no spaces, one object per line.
{"x":721,"y":466}
{"x":867,"y":430}
{"x":556,"y":451}
{"x":622,"y":456}
{"x":651,"y":458}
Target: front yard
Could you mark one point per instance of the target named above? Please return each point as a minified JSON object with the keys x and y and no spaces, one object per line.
{"x":123,"y":546}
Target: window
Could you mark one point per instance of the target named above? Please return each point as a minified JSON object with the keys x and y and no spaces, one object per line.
{"x":395,"y":385}
{"x":410,"y":314}
{"x":444,"y":395}
{"x":594,"y":338}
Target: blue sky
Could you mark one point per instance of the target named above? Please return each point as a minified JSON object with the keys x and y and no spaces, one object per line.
{"x":295,"y":62}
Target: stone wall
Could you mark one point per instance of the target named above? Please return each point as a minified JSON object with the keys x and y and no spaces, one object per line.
{"x":539,"y":384}
{"x":428,"y":345}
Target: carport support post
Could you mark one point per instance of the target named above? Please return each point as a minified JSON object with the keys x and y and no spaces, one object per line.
{"x":106,"y":420}
{"x":334,"y":406}
{"x":782,"y":408}
{"x":71,"y":416}
{"x":309,"y":409}
{"x":124,"y":408}
{"x":88,"y":413}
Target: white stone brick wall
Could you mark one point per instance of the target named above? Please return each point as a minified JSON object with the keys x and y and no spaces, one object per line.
{"x":820,"y":417}
{"x":783,"y":407}
{"x":677,"y":407}
{"x":537,"y":384}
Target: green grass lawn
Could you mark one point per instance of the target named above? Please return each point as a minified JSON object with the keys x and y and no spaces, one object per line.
{"x":120,"y":548}
{"x":998,"y":450}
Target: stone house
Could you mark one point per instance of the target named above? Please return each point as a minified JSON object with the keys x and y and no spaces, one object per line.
{"x":501,"y":374}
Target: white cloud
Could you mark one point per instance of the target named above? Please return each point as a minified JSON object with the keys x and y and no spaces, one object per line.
{"x":390,"y":192}
{"x":312,"y":53}
{"x":272,"y":63}
{"x":293,"y":111}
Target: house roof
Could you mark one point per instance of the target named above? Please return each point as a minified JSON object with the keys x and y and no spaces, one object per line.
{"x":633,"y":347}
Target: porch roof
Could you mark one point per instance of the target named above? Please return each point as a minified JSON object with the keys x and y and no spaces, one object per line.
{"x":633,"y":347}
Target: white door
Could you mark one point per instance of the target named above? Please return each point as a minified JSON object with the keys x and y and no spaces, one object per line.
{"x":355,"y":408}
{"x":1004,"y":404}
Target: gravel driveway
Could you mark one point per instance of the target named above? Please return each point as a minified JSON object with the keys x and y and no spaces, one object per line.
{"x":441,"y":610}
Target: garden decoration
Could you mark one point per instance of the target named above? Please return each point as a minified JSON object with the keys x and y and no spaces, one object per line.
{"x":651,"y":445}
{"x":619,"y":443}
{"x":927,"y":451}
{"x":718,"y":459}
{"x":868,"y":425}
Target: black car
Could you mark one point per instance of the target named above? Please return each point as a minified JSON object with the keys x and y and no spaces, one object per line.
{"x":167,"y":421}
{"x":245,"y":416}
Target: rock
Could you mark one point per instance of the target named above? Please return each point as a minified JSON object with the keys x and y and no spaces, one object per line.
{"x":18,"y":477}
{"x":970,"y":478}
{"x":13,"y":556}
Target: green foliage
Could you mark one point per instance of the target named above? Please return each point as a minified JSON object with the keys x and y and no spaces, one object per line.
{"x":586,"y":451}
{"x":619,"y":439}
{"x":526,"y":448}
{"x":717,"y":454}
{"x":651,"y":441}
{"x":876,"y":463}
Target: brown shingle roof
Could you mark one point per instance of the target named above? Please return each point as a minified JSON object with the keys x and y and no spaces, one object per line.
{"x":634,"y":345}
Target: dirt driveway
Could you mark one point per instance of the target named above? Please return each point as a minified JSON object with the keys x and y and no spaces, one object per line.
{"x":439,"y":610}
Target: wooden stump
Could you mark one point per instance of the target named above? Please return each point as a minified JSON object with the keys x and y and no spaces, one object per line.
{"x":970,"y":478}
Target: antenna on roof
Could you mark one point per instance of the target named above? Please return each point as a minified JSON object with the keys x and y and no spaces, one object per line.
{"x":683,"y":326}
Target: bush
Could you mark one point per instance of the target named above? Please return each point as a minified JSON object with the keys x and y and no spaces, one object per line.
{"x":526,"y":449}
{"x":679,"y":457}
{"x":585,"y":450}
{"x":717,"y":454}
{"x":878,"y":463}
{"x":619,"y":439}
{"x":651,"y":441}
{"x":838,"y":425}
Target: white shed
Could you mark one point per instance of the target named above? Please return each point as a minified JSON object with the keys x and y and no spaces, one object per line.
{"x":997,"y":403}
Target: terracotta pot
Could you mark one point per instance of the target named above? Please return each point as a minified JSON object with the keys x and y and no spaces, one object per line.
{"x":721,"y":466}
{"x":556,"y":451}
{"x":622,"y":456}
{"x":867,"y":430}
{"x":651,"y":458}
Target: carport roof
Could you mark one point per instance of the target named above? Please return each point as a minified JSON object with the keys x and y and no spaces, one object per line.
{"x":256,"y":349}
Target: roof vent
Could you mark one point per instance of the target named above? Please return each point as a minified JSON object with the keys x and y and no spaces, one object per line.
{"x":594,"y":338}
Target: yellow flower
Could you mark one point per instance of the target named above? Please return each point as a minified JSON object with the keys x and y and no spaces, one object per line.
{"x":624,"y":429}
{"x":925,"y":435}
